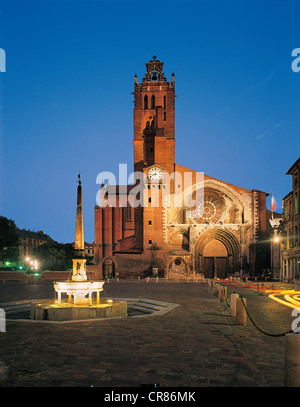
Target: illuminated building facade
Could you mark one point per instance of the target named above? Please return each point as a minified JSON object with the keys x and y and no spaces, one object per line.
{"x":218,"y":236}
{"x":290,"y":267}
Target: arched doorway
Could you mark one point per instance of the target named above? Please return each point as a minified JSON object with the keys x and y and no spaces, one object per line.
{"x":108,"y":268}
{"x":215,"y":259}
{"x":217,"y":253}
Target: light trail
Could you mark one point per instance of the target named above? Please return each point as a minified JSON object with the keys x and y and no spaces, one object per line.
{"x":291,"y":298}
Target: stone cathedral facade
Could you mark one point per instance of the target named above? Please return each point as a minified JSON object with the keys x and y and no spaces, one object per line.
{"x":216,"y":235}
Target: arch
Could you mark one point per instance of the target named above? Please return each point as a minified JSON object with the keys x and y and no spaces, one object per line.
{"x":108,"y":272}
{"x":228,"y":198}
{"x":179,"y":237}
{"x":217,"y":186}
{"x":215,"y":248}
{"x":228,"y":239}
{"x":149,"y":117}
{"x":179,"y":271}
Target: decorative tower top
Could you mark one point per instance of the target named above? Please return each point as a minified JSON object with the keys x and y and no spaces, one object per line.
{"x":154,"y":71}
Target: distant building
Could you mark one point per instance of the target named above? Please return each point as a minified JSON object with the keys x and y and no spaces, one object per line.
{"x":30,"y":240}
{"x":290,"y":266}
{"x":88,"y":249}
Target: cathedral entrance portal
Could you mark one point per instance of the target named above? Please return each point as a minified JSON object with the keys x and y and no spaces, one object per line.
{"x":215,"y":259}
{"x":217,"y":253}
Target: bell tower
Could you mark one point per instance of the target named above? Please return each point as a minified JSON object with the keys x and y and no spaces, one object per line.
{"x":154,"y":148}
{"x":154,"y":119}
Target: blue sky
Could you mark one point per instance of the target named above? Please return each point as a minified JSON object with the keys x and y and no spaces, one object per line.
{"x":66,"y":102}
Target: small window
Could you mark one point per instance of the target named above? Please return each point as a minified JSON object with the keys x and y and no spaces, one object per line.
{"x":146,"y":102}
{"x":150,"y":241}
{"x":165,"y":116}
{"x":153,"y":102}
{"x":128,"y":212}
{"x":165,"y":102}
{"x":149,"y":200}
{"x":150,"y":222}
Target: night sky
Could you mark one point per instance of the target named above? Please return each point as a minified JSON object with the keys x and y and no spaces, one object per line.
{"x":66,"y":102}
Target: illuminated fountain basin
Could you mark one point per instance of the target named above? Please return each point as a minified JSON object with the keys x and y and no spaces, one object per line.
{"x":78,"y":306}
{"x":78,"y":290}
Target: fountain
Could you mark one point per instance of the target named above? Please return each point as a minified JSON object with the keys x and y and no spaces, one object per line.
{"x":78,"y":287}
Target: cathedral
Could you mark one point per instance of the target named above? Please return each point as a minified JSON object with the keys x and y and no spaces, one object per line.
{"x":186,"y":223}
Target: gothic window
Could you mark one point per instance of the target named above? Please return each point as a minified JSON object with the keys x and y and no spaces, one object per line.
{"x":128,"y":212}
{"x":152,"y":125}
{"x":146,"y":102}
{"x":152,"y":102}
{"x":165,"y":116}
{"x":165,"y":102}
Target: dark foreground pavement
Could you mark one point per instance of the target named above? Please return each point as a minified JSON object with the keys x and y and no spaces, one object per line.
{"x":198,"y":344}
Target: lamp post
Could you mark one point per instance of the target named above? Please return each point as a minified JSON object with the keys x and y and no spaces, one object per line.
{"x":275,"y":243}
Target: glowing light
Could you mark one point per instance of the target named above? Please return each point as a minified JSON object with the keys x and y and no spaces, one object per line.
{"x":291,"y":298}
{"x":276,"y":239}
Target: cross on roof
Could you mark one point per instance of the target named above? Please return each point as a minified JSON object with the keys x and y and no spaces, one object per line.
{"x":154,"y":57}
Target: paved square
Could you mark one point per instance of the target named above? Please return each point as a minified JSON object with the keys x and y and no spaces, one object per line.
{"x":196,"y":344}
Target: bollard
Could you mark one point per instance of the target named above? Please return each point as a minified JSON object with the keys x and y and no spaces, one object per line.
{"x":292,"y":360}
{"x":233,"y":299}
{"x":216,"y":289}
{"x":241,"y":315}
{"x":147,"y":280}
{"x":118,"y":280}
{"x":220,"y":289}
{"x":223,"y":294}
{"x":157,"y":279}
{"x":139,"y":278}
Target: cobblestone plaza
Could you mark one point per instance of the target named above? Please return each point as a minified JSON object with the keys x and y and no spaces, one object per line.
{"x":196,"y":344}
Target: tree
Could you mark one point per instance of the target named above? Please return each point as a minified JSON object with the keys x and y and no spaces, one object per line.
{"x":9,"y":240}
{"x":54,"y":256}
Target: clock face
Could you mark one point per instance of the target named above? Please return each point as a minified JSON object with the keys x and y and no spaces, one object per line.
{"x":155,"y":174}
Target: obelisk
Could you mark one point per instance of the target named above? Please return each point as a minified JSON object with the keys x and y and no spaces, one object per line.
{"x":79,"y":236}
{"x":79,"y":272}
